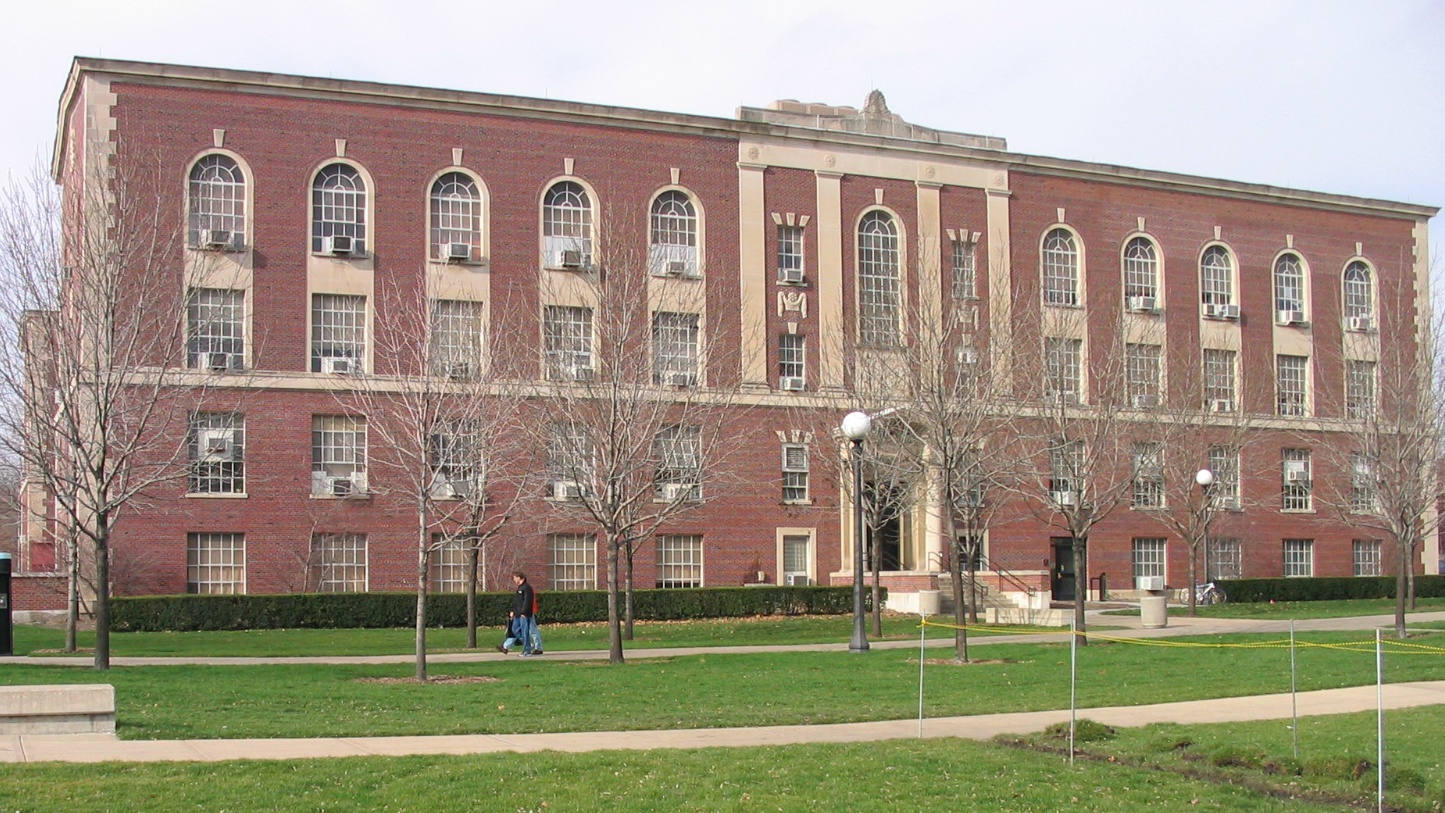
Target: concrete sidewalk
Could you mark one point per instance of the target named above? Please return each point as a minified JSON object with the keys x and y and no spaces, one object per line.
{"x":106,"y":748}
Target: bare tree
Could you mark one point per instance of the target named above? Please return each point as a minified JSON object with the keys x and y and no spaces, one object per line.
{"x":1387,"y":452}
{"x":444,"y":427}
{"x":636,"y":412}
{"x":94,"y":370}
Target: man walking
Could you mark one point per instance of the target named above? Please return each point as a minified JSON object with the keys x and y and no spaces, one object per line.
{"x":520,"y":619}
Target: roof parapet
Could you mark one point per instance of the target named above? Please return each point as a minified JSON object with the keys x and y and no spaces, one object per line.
{"x":874,"y":119}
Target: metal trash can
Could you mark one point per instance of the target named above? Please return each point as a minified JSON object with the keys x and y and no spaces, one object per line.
{"x":7,"y":640}
{"x":1154,"y":611}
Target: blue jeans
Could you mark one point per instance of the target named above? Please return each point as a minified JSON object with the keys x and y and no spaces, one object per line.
{"x":534,"y":635}
{"x":518,"y":632}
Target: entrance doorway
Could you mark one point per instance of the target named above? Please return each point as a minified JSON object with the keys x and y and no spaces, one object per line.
{"x":1063,"y":582}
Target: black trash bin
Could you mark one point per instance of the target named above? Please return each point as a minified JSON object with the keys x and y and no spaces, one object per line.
{"x":7,"y":638}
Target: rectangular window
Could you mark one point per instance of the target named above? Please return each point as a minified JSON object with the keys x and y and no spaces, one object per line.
{"x":1226,"y":559}
{"x":1299,"y":557}
{"x":678,"y":451}
{"x":1364,"y":497}
{"x":1065,"y":474}
{"x":571,"y":562}
{"x":791,"y":357}
{"x":1148,"y":475}
{"x":457,"y":338}
{"x":1359,"y":389}
{"x":569,"y":462}
{"x":795,"y":558}
{"x":567,"y":342}
{"x":448,"y":565}
{"x":340,"y":562}
{"x":215,"y":329}
{"x":1297,"y":494}
{"x":1061,"y":362}
{"x":1224,"y":465}
{"x":215,"y":563}
{"x":338,"y":455}
{"x":456,"y":457}
{"x":674,"y":349}
{"x":1367,"y":557}
{"x":1220,"y":394}
{"x":965,"y":275}
{"x":1144,"y":369}
{"x":679,"y":561}
{"x":338,"y":333}
{"x":1291,"y":373}
{"x":217,"y":453}
{"x":790,"y":254}
{"x":795,"y":473}
{"x":1149,"y":557}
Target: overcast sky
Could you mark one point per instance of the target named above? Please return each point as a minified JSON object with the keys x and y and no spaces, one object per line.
{"x":1344,"y":97}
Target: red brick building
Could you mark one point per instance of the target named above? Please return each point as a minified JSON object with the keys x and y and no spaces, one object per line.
{"x":798,"y":234}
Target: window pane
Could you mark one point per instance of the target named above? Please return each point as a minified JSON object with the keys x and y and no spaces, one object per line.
{"x":567,"y":337}
{"x":215,"y":320}
{"x":1061,"y":269}
{"x":338,"y":329}
{"x":679,"y":561}
{"x":456,"y":214}
{"x":338,"y":206}
{"x":1149,"y":557}
{"x":1289,"y":284}
{"x":457,"y":338}
{"x":215,"y":563}
{"x":217,"y":198}
{"x":217,"y":454}
{"x":340,"y":562}
{"x":1141,"y":269}
{"x":674,"y":349}
{"x":571,"y":562}
{"x":1216,"y":273}
{"x":1359,"y":294}
{"x":879,"y":286}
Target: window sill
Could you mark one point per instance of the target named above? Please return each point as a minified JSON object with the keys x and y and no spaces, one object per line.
{"x":1297,"y":510}
{"x":359,"y":496}
{"x":797,"y":502}
{"x":205,"y":495}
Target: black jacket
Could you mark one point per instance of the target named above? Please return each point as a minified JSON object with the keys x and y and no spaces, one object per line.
{"x":522,"y":601}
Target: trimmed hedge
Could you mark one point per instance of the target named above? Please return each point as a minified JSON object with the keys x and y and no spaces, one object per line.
{"x":371,"y":610}
{"x":1341,"y":588}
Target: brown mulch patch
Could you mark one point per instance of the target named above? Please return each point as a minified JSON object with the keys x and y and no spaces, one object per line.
{"x":970,"y":662}
{"x":434,"y":679}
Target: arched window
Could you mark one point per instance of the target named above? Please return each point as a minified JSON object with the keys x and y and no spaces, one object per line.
{"x":456,"y":217}
{"x":1289,"y":285}
{"x":1359,"y":293}
{"x":217,"y":203}
{"x":879,"y":289}
{"x":1141,"y":273}
{"x":338,"y":211}
{"x":1216,"y":276}
{"x":567,"y":226}
{"x":1061,"y":268}
{"x":674,"y":235}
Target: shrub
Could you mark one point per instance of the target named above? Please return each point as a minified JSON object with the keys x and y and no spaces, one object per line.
{"x":1341,"y":588}
{"x":372,"y":610}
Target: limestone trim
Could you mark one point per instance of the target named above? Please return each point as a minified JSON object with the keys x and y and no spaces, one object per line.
{"x":753,"y":276}
{"x":811,"y":533}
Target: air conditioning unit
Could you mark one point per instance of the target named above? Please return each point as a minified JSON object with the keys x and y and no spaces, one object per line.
{"x":1143,"y":304}
{"x":1221,"y":405}
{"x":441,"y":488}
{"x":1361,"y":324}
{"x":1290,"y":317}
{"x":459,"y":371}
{"x":566,"y":490}
{"x":339,"y":365}
{"x":220,"y":362}
{"x":791,"y":383}
{"x":791,"y":276}
{"x":1149,"y":583}
{"x":673,"y":492}
{"x":219,"y":240}
{"x":1145,"y":401}
{"x":682,"y":380}
{"x":458,"y":252}
{"x":214,"y":445}
{"x":341,"y":486}
{"x":582,"y":373}
{"x":1229,"y":503}
{"x":1064,"y":498}
{"x":570,"y":259}
{"x":1299,"y":475}
{"x":796,"y":580}
{"x":967,"y":355}
{"x":338,"y":245}
{"x":674,"y":268}
{"x":1220,"y":311}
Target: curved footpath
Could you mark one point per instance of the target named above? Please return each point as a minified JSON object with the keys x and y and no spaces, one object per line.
{"x":105,"y":747}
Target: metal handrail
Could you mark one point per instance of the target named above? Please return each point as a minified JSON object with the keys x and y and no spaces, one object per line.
{"x":937,"y":558}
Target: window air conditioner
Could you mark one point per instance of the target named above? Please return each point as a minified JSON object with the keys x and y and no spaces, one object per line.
{"x":569,"y":259}
{"x":459,"y":371}
{"x":673,"y":492}
{"x":219,"y":239}
{"x":458,"y":252}
{"x":1299,"y":475}
{"x":1221,"y":311}
{"x":1149,"y":583}
{"x":682,"y":379}
{"x":566,"y":490}
{"x":1064,"y":498}
{"x":791,"y":383}
{"x":461,"y":488}
{"x":339,"y":365}
{"x":581,"y":373}
{"x":1143,"y":304}
{"x":1145,"y":401}
{"x":214,"y":445}
{"x":218,"y":362}
{"x":1221,"y":405}
{"x":791,"y":276}
{"x":675,"y":268}
{"x":1290,"y":317}
{"x":796,"y":580}
{"x":338,"y":245}
{"x":1229,"y":503}
{"x":1360,"y":323}
{"x":967,"y":355}
{"x":340,"y":486}
{"x":441,"y":488}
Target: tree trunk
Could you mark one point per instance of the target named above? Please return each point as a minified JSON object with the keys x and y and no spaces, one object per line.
{"x":629,"y":610}
{"x":72,"y":589}
{"x":877,"y":560}
{"x":1193,"y":574}
{"x":1081,"y":584}
{"x":1401,"y":589}
{"x":102,"y":594}
{"x":473,"y":553}
{"x":614,"y":615}
{"x":955,"y":573}
{"x":423,"y":556}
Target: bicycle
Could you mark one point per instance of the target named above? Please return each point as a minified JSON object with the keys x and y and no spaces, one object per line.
{"x":1209,"y":593}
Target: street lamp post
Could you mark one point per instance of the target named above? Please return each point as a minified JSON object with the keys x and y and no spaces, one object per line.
{"x":856,"y":426}
{"x":1205,"y":479}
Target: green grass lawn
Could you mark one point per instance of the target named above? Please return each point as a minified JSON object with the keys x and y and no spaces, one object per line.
{"x":563,"y":637}
{"x":860,"y":778}
{"x":1285,"y":610}
{"x":1336,"y":754}
{"x":542,"y":694}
